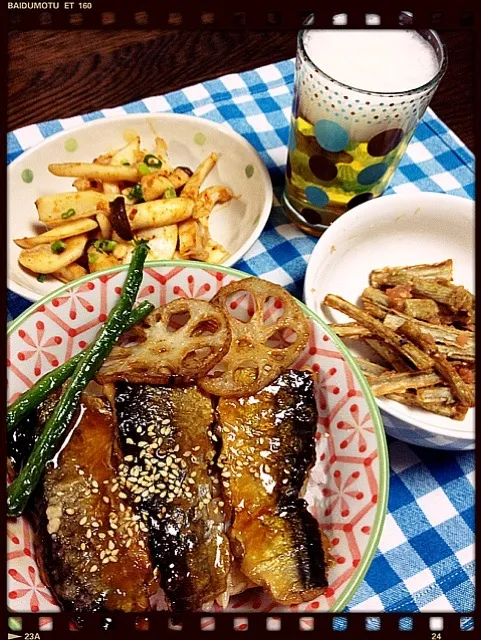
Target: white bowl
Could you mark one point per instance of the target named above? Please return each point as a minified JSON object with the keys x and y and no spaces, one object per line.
{"x":236,"y":225}
{"x":397,"y":230}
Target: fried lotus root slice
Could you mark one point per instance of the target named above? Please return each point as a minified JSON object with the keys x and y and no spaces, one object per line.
{"x":254,"y":360}
{"x":162,"y":347}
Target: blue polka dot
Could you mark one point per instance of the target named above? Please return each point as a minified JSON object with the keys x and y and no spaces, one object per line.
{"x":330,"y":135}
{"x":372,"y":174}
{"x":317,"y":196}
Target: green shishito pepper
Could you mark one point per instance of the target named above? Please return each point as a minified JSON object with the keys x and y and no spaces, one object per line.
{"x":45,"y":448}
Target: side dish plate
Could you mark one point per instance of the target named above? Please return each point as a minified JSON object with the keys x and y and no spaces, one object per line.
{"x":235,"y":225}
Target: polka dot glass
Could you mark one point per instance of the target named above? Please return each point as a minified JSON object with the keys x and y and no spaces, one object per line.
{"x":345,"y":143}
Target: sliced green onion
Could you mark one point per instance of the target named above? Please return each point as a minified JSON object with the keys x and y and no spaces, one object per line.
{"x":170,"y":193}
{"x":93,"y":257}
{"x":68,"y":214}
{"x":152,"y":161}
{"x":41,"y":277}
{"x":136,"y":194}
{"x":58,"y":246}
{"x":106,"y":246}
{"x":143,"y":169}
{"x":126,"y":162}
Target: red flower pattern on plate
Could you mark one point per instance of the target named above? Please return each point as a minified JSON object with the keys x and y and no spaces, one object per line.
{"x":38,"y":347}
{"x":30,"y":586}
{"x":191,"y":291}
{"x":326,"y":387}
{"x":337,"y":495}
{"x":75,"y":298}
{"x":357,"y":428}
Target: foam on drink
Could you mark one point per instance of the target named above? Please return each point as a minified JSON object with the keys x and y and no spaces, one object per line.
{"x":385,"y":62}
{"x":382,"y":60}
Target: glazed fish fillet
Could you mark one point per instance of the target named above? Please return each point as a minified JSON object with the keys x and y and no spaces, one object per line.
{"x":267,"y":450}
{"x":169,"y":474}
{"x":90,"y":547}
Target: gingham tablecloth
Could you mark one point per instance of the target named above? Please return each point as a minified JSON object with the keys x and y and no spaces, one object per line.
{"x":425,"y":560}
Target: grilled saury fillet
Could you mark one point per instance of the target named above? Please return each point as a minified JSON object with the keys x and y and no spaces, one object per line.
{"x":169,"y":473}
{"x":90,"y":548}
{"x":267,"y":450}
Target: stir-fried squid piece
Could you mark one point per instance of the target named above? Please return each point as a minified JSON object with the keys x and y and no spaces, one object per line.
{"x":70,"y":272}
{"x":104,"y":225}
{"x":192,"y":243}
{"x":209,"y":198}
{"x":42,"y":259}
{"x":162,"y":242}
{"x":56,"y":210}
{"x":192,"y":186}
{"x":154,"y":185}
{"x":161,"y":153}
{"x":68,"y":230}
{"x":92,"y":171}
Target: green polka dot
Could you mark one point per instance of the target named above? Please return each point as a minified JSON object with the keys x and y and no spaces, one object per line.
{"x":27,"y":175}
{"x":71,"y":144}
{"x":199,"y":138}
{"x":249,"y":171}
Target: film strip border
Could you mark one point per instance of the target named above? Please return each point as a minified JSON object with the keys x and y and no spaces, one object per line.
{"x":132,"y":14}
{"x":226,"y":625}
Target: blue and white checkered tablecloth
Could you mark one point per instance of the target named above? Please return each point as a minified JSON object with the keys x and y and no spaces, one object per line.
{"x":425,"y":560}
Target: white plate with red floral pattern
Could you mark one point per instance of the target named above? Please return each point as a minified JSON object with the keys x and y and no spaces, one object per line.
{"x":347,"y":488}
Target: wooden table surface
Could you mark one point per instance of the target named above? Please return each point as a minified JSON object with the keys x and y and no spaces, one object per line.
{"x":57,"y":74}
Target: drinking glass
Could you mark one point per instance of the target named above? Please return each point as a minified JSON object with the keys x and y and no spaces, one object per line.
{"x":345,"y":143}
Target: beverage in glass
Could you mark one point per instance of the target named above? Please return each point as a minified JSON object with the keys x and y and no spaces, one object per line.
{"x":358,"y":97}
